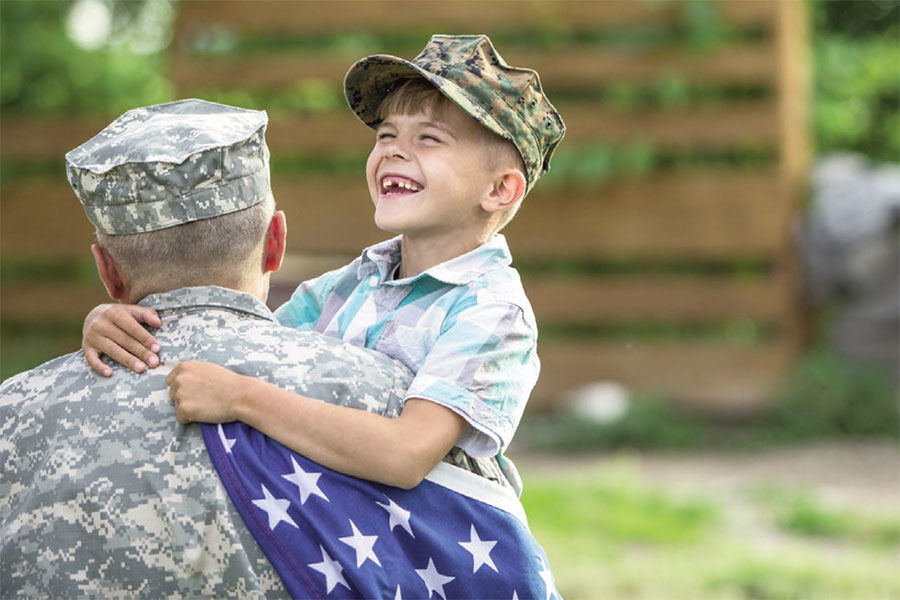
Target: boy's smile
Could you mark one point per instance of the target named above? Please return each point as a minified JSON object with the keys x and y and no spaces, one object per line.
{"x":393,"y":184}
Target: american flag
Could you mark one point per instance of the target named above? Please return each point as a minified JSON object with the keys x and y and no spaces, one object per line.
{"x":330,"y":535}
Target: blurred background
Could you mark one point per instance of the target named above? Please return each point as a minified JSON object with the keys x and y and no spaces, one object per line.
{"x":713,"y":259}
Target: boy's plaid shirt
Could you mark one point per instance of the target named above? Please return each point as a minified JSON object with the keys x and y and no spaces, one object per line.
{"x":464,"y":327}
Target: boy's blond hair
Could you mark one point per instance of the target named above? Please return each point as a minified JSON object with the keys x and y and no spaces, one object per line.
{"x":416,"y":95}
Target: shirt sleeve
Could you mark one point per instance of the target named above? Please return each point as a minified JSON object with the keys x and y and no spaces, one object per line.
{"x":304,"y":308}
{"x":482,"y":366}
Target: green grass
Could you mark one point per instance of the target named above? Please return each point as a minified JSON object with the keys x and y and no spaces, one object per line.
{"x":608,"y":534}
{"x":799,"y":513}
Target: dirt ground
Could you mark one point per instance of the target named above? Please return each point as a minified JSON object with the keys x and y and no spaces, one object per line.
{"x":847,"y":473}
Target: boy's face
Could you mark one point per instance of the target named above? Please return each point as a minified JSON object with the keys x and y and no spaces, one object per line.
{"x":428,"y":175}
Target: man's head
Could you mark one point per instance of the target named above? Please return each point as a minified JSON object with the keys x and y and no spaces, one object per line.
{"x":180,"y":195}
{"x":463,"y":75}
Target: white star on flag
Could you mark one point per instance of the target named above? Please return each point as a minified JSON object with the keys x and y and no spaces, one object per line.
{"x":362,"y":544}
{"x":480,"y":550}
{"x":434,"y":580}
{"x":547,"y":576}
{"x":225,"y":441}
{"x":276,"y":508}
{"x":307,"y":483}
{"x":397,"y":596}
{"x":399,"y":516}
{"x":515,"y":595}
{"x":331,"y":569}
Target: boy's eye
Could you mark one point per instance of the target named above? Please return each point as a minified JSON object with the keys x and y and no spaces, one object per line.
{"x":382,"y":136}
{"x":430,"y":138}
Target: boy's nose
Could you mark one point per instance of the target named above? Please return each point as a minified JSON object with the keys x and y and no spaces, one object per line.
{"x":396,"y":149}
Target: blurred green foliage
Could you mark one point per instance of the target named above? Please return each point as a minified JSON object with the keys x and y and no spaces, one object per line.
{"x":44,"y":71}
{"x":856,"y":61}
{"x":828,"y":394}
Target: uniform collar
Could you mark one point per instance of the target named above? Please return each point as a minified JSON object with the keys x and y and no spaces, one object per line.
{"x":210,"y":296}
{"x":381,"y":259}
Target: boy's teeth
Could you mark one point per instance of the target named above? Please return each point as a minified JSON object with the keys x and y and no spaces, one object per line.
{"x":398,"y":183}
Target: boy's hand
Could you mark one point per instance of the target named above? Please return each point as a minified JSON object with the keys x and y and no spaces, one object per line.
{"x":115,"y":330}
{"x":204,"y":392}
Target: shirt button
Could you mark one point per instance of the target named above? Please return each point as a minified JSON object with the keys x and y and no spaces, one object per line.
{"x":373,"y":281}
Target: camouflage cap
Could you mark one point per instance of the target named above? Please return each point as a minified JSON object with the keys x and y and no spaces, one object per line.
{"x":159,"y":166}
{"x":470,"y":72}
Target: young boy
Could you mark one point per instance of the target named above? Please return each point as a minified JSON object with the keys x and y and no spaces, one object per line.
{"x":460,"y":139}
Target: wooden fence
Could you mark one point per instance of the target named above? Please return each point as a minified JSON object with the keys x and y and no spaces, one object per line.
{"x":608,"y":262}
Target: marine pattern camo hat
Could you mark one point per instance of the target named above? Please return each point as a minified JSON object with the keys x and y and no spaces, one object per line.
{"x":471,"y":73}
{"x":164,"y":165}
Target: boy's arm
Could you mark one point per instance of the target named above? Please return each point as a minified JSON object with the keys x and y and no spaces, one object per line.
{"x":116,"y":331}
{"x":398,"y":452}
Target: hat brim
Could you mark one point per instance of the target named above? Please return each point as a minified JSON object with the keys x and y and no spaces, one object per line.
{"x":369,"y":81}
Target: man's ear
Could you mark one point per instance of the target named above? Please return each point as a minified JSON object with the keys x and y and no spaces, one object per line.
{"x":275,"y":242}
{"x":109,"y":273}
{"x":508,"y":189}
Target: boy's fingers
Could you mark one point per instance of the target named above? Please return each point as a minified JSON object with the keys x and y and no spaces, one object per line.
{"x":144,"y":314}
{"x":131,"y":336}
{"x":130,"y":322}
{"x":112,"y":349}
{"x":94,"y":362}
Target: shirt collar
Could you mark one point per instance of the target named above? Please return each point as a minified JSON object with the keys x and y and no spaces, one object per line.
{"x":208,"y":297}
{"x":381,"y":259}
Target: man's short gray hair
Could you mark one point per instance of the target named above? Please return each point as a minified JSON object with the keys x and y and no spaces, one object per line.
{"x":216,"y":251}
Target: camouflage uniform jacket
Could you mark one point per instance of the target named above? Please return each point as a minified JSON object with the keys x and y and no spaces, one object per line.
{"x":104,"y":494}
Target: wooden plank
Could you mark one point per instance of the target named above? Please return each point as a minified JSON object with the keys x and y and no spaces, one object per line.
{"x":793,"y":95}
{"x":657,"y":298}
{"x":43,"y":219}
{"x":278,"y":16}
{"x":701,"y":127}
{"x":720,"y":378}
{"x":714,"y":214}
{"x":27,"y":137}
{"x":713,"y":127}
{"x":736,"y":64}
{"x":50,"y":301}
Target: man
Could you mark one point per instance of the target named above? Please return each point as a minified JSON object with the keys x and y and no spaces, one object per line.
{"x":103,"y":493}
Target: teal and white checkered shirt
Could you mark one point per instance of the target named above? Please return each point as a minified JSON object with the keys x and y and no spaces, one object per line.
{"x":464,"y":327}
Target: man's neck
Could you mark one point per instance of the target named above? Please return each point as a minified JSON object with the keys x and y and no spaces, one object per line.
{"x":259,"y":287}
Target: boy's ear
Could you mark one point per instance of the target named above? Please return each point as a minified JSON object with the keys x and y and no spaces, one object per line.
{"x":109,"y":273}
{"x":508,"y":189}
{"x":276,"y":238}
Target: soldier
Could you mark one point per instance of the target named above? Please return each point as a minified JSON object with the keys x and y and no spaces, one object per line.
{"x":103,"y":492}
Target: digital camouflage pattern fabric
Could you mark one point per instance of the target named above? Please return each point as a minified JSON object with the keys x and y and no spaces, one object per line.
{"x":469,"y":71}
{"x":104,"y":494}
{"x":159,"y":166}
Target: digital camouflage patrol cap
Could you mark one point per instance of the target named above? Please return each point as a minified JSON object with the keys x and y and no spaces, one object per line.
{"x":159,"y":166}
{"x":470,"y":72}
